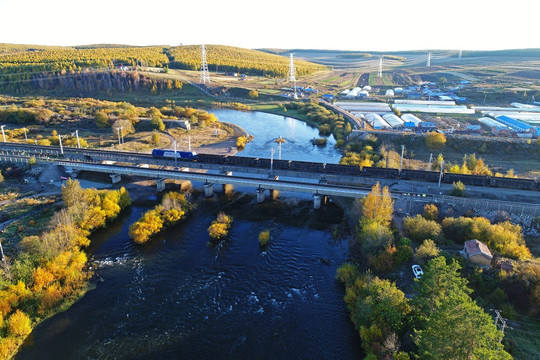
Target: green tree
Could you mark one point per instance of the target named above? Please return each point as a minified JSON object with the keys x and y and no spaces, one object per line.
{"x":426,"y":251}
{"x":460,"y":329}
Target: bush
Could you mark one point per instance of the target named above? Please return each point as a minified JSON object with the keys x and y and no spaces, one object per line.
{"x":426,"y":251}
{"x":458,"y":189}
{"x":435,"y":140}
{"x":264,"y":237}
{"x":431,"y":212}
{"x":241,"y":142}
{"x":219,"y":228}
{"x":319,"y":141}
{"x":419,"y":229}
{"x":253,"y":94}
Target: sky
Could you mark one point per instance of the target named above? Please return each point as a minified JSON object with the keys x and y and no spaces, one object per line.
{"x":377,"y":25}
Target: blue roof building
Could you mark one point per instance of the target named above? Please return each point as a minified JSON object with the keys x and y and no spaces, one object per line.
{"x":514,"y":124}
{"x":328,"y":97}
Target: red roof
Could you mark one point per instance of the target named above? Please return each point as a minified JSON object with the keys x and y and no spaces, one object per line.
{"x":475,"y":247}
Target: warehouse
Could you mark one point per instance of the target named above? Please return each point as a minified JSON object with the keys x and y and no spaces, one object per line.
{"x":377,"y":121}
{"x":410,"y":118}
{"x":393,"y":120}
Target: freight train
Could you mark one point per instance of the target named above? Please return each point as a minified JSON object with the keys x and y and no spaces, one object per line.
{"x":338,"y":169}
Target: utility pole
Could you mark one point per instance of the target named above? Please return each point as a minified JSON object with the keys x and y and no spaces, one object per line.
{"x":25,"y":137}
{"x":2,"y":252}
{"x":428,"y":60}
{"x":189,"y":142}
{"x":401,"y":162}
{"x":271,"y":160}
{"x":380,"y":67}
{"x":3,"y":133}
{"x":118,"y":131}
{"x":122,"y":134}
{"x":78,"y":141}
{"x":430,"y":160}
{"x":60,"y":141}
{"x":440,"y":175}
{"x":280,"y":141}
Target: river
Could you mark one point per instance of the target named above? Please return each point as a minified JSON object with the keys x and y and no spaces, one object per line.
{"x":176,"y":297}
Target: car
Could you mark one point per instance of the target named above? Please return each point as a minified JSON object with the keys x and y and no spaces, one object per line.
{"x":417,"y":271}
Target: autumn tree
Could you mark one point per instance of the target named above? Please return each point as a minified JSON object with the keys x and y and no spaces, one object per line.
{"x":435,"y":140}
{"x":157,"y":123}
{"x":426,"y":251}
{"x":378,"y":205}
{"x":431,"y":212}
{"x":419,"y":228}
{"x":253,"y":94}
{"x":101,"y":118}
{"x":19,"y":324}
{"x":220,"y":227}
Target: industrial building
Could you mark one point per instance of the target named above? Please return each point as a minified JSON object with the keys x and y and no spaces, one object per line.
{"x":393,"y":120}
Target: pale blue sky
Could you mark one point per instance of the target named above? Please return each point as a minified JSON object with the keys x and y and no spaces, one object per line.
{"x":344,"y":25}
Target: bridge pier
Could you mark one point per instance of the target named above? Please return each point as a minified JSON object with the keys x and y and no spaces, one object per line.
{"x":208,"y":190}
{"x":274,"y":194}
{"x":116,"y":178}
{"x":317,"y":201}
{"x":186,"y":185}
{"x":160,"y":185}
{"x":260,"y":195}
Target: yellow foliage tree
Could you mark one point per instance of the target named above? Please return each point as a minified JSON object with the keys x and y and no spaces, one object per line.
{"x":19,"y":324}
{"x":378,"y":205}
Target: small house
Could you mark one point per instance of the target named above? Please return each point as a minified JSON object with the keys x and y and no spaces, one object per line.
{"x":477,"y":253}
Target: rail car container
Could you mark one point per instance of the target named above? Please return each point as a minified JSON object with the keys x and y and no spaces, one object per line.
{"x":422,"y":175}
{"x":380,"y":172}
{"x":514,"y":183}
{"x":241,"y":161}
{"x":342,"y":169}
{"x":307,"y":166}
{"x":210,"y":158}
{"x":474,"y":180}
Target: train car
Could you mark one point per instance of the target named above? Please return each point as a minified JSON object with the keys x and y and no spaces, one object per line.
{"x":341,"y":169}
{"x":380,"y":172}
{"x":241,"y":161}
{"x":421,"y":175}
{"x":307,"y":166}
{"x":171,"y":154}
{"x":210,"y":158}
{"x":474,"y":180}
{"x":514,"y":183}
{"x":282,"y":164}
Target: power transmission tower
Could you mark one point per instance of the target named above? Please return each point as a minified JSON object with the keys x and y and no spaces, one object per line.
{"x":205,"y":76}
{"x":380,"y":67}
{"x":292,"y":75}
{"x":428,"y":60}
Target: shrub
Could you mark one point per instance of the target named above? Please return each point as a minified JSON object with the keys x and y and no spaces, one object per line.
{"x":426,"y":251}
{"x":219,"y":228}
{"x":419,"y":229}
{"x":458,"y":189}
{"x":19,"y":324}
{"x":431,"y":212}
{"x":435,"y":140}
{"x":241,"y":142}
{"x":264,"y":237}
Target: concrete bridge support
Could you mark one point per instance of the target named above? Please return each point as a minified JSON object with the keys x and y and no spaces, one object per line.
{"x":186,"y":185}
{"x":160,"y":185}
{"x":317,"y":201}
{"x":208,"y":190}
{"x":260,"y":195}
{"x":274,"y":194}
{"x":116,"y":178}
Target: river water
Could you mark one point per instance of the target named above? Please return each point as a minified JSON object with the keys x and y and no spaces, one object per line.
{"x":176,"y":297}
{"x":266,"y":128}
